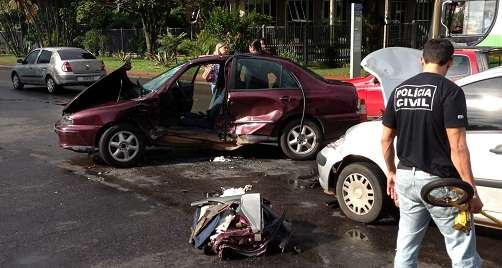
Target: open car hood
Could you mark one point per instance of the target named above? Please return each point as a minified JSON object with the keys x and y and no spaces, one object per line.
{"x":104,"y":90}
{"x":392,"y":66}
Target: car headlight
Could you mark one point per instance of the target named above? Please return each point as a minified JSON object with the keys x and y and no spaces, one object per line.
{"x":337,"y":143}
{"x":67,"y":120}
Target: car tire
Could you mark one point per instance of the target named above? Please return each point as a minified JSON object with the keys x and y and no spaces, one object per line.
{"x":122,"y":145}
{"x":51,"y":85}
{"x":309,"y":143}
{"x":360,"y":192}
{"x":16,"y":82}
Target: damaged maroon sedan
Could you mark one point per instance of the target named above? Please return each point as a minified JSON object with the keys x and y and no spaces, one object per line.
{"x":256,"y":99}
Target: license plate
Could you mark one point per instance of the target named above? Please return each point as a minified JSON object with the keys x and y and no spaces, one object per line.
{"x":87,"y":78}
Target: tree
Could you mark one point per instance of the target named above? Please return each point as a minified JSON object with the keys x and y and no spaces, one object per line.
{"x":12,"y":27}
{"x":153,"y":15}
{"x":52,"y":22}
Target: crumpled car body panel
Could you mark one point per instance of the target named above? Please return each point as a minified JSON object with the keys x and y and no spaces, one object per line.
{"x":253,"y":229}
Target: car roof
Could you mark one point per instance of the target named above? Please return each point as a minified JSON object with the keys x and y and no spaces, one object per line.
{"x":490,"y":73}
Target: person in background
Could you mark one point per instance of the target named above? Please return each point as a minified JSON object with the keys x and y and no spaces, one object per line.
{"x":211,"y":71}
{"x":264,"y":48}
{"x":255,"y":47}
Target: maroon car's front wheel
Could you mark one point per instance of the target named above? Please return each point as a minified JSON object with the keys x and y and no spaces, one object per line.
{"x":301,"y":142}
{"x":122,"y":145}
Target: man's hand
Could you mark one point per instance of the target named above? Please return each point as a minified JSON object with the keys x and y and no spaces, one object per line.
{"x":475,"y":204}
{"x":391,"y":187}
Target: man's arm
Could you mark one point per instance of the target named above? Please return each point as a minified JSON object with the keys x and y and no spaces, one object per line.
{"x":389,"y":155}
{"x":460,"y":157}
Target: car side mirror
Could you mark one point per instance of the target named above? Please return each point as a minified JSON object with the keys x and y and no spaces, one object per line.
{"x":21,"y":61}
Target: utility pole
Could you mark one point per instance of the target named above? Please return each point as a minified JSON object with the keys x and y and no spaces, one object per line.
{"x":386,"y":24}
{"x":436,"y":19}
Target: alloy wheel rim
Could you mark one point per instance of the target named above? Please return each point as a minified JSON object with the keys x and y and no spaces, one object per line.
{"x":302,"y":142}
{"x":15,"y":81}
{"x":123,"y":146}
{"x":50,"y":85}
{"x":358,"y":193}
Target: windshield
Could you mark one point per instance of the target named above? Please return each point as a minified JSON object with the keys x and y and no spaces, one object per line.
{"x":158,"y":81}
{"x":470,"y":20}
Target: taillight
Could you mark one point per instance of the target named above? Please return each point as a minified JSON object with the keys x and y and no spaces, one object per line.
{"x":102,"y":66}
{"x":66,"y":67}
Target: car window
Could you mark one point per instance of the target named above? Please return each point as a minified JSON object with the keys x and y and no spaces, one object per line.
{"x":261,"y":74}
{"x":288,"y":80}
{"x":158,"y":81}
{"x":30,"y":59}
{"x":484,"y":104}
{"x":460,"y":67}
{"x":45,"y":57}
{"x":75,"y":54}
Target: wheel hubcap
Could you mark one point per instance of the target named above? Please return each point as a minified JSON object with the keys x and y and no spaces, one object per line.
{"x":302,"y":141}
{"x":15,"y":81}
{"x":50,"y":85}
{"x":358,"y":193}
{"x":123,"y":146}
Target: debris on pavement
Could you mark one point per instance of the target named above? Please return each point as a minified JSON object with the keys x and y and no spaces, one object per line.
{"x":221,"y":159}
{"x":237,"y":223}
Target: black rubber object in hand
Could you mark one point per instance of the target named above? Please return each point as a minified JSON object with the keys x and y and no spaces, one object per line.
{"x":444,"y":187}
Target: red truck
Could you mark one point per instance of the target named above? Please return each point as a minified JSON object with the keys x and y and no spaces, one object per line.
{"x":465,"y":62}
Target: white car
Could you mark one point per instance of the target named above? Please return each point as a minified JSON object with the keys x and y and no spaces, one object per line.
{"x":354,"y":169}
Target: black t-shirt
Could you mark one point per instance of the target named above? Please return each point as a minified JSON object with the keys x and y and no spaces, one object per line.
{"x":419,"y":110}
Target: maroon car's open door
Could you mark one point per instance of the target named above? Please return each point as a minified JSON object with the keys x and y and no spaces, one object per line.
{"x":260,"y":94}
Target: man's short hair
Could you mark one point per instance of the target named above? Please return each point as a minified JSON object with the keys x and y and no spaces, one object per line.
{"x":438,"y":51}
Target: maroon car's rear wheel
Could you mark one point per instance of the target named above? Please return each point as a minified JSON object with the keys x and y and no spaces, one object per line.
{"x":122,"y":145}
{"x":301,"y":142}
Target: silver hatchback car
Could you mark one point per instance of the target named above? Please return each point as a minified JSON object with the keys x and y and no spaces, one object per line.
{"x":57,"y":66}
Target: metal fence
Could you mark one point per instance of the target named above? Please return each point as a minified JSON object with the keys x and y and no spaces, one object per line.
{"x":309,"y":44}
{"x":413,"y":34}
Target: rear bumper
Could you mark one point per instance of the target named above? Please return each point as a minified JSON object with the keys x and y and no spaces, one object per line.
{"x":69,"y":79}
{"x":79,"y":138}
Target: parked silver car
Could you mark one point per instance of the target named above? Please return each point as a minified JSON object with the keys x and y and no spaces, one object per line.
{"x":57,"y":66}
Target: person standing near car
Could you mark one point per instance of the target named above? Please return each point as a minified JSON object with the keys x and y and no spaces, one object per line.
{"x":427,"y":113}
{"x":211,"y":71}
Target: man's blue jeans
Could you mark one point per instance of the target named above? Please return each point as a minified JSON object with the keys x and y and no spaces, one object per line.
{"x":415,"y":215}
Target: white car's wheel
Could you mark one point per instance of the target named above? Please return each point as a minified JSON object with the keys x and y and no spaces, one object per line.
{"x":51,"y":85}
{"x":16,"y":82}
{"x":360,"y":192}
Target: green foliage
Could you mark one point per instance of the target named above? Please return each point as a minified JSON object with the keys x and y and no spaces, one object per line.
{"x":291,"y":56}
{"x":95,"y":41}
{"x":229,"y":26}
{"x":169,"y":44}
{"x":122,"y":56}
{"x":160,"y":58}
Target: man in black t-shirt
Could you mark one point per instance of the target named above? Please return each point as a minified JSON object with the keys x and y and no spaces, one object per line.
{"x":427,"y":113}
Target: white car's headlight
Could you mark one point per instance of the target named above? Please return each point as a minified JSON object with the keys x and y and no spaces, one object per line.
{"x":67,"y":120}
{"x":337,"y":143}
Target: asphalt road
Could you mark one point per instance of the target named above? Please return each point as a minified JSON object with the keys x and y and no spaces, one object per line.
{"x":61,"y":209}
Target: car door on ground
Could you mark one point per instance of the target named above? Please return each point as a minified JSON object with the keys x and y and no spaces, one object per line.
{"x":484,"y":112}
{"x":26,"y":70}
{"x":261,"y":92}
{"x":40,"y":68}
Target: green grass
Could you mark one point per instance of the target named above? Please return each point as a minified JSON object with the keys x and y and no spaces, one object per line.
{"x":7,"y":60}
{"x":150,"y":68}
{"x":138,"y":65}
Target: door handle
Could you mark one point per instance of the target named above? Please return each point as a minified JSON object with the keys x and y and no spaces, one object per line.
{"x":284,"y":98}
{"x":497,"y":149}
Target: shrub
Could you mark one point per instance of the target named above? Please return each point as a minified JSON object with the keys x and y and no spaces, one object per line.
{"x":95,"y":41}
{"x":229,"y":26}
